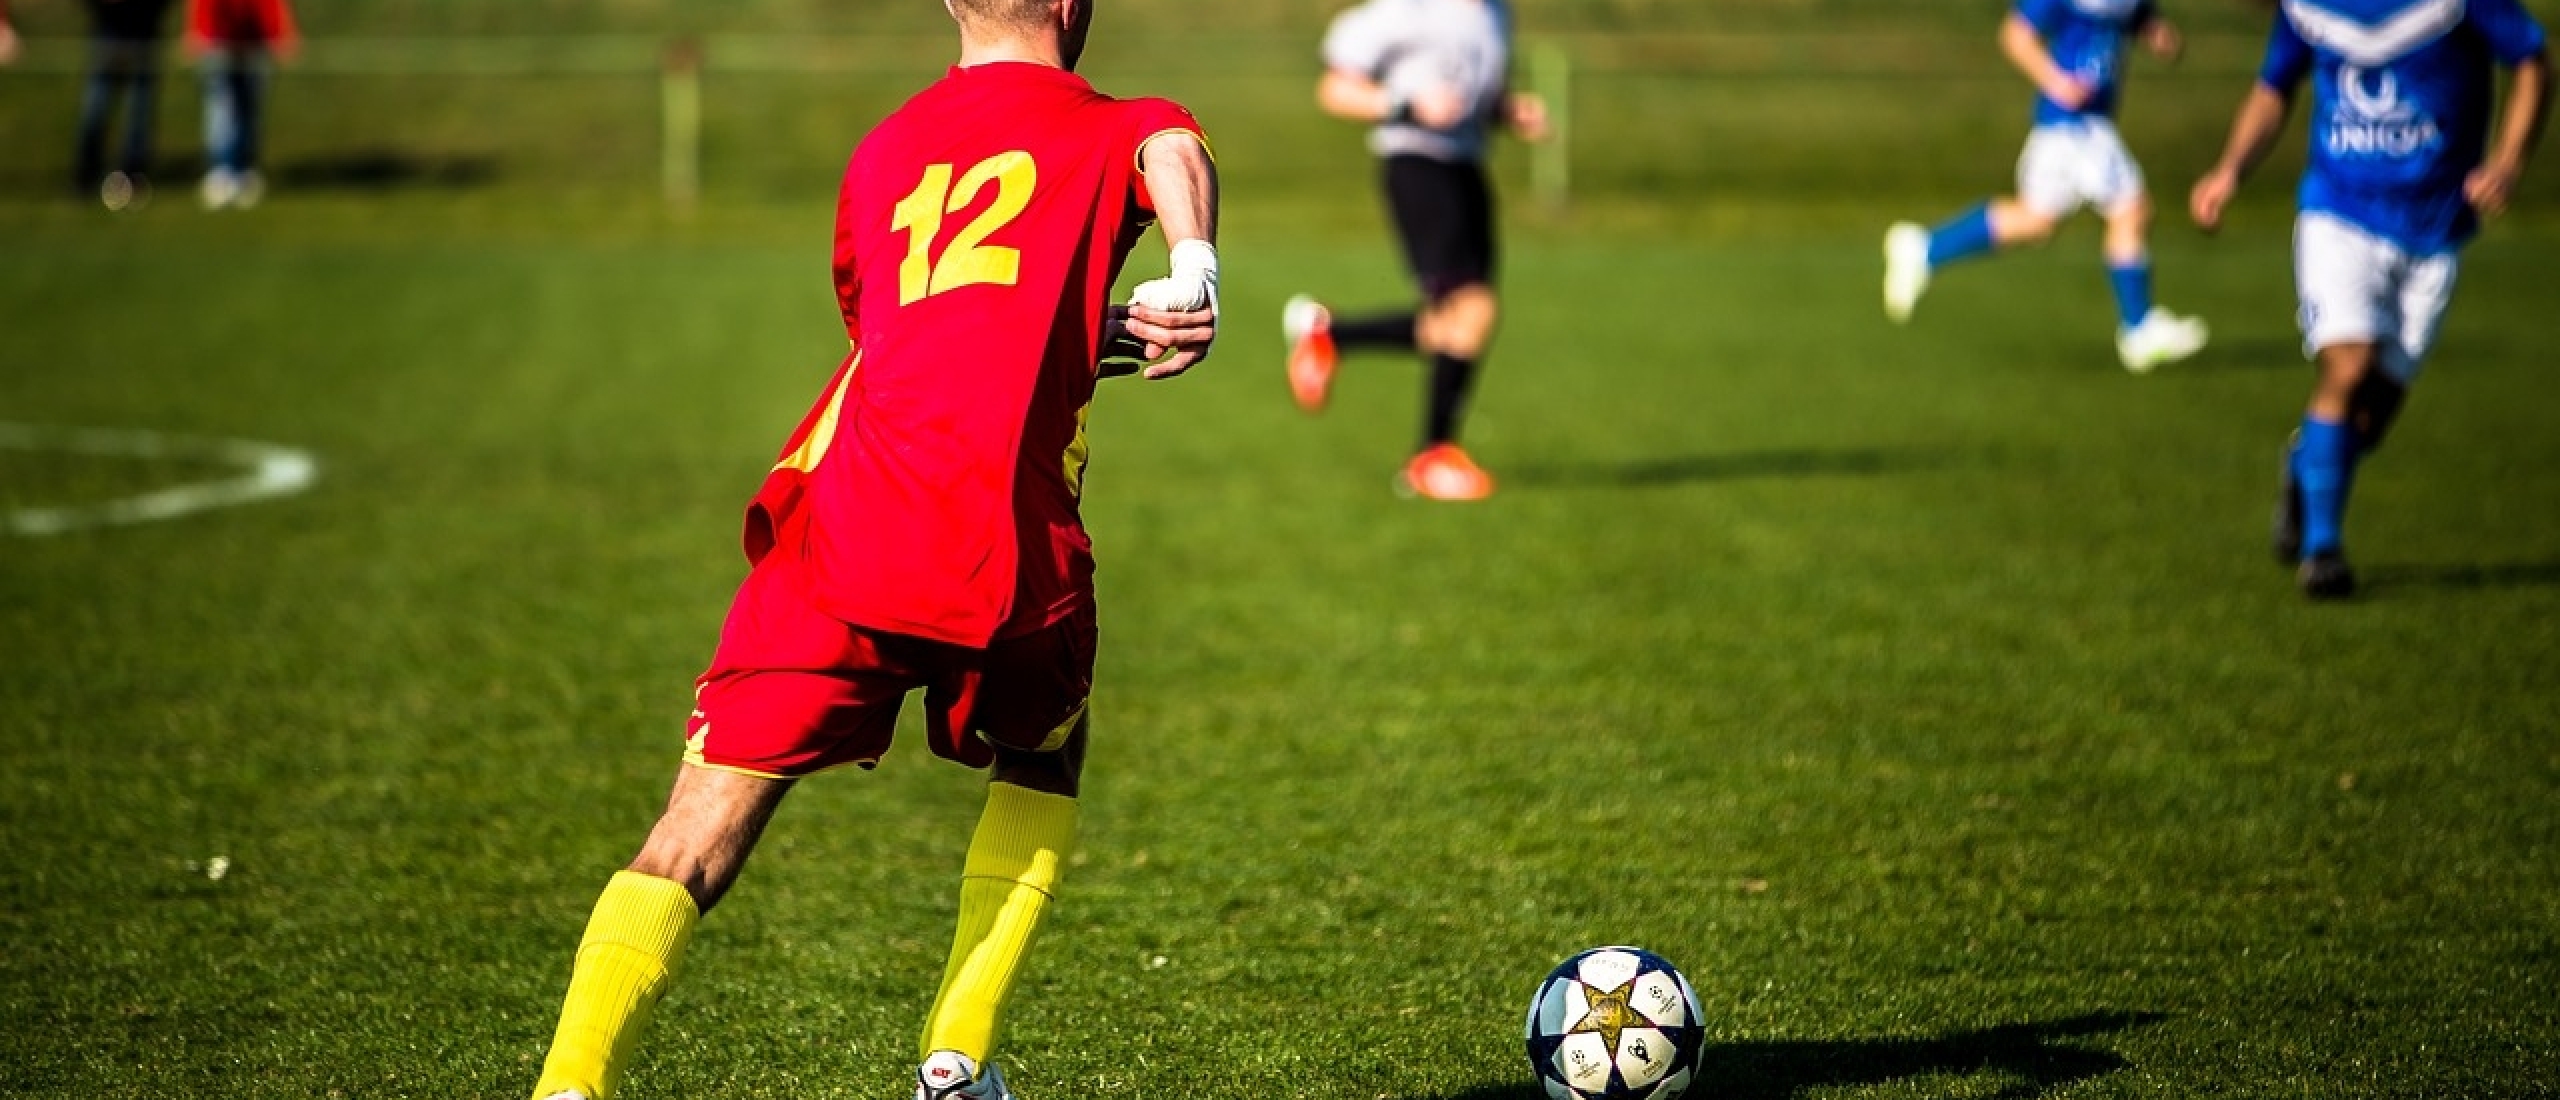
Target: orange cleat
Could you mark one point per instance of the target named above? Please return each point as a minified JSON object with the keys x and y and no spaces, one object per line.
{"x":1443,"y":472}
{"x":1309,"y":327}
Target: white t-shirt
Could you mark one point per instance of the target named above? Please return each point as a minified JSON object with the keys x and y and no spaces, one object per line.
{"x":1408,"y":45}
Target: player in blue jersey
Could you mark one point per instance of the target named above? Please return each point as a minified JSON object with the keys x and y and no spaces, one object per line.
{"x":2402,"y":167}
{"x":2073,"y":51}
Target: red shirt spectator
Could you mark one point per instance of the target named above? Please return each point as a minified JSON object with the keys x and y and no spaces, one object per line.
{"x":236,"y":24}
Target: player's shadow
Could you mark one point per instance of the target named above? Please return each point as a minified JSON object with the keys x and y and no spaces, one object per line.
{"x":2030,"y":1060}
{"x":2249,"y":352}
{"x":2386,"y":578}
{"x":385,"y":170}
{"x":1795,"y":462}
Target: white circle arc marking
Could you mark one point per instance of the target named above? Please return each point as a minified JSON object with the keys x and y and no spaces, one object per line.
{"x":268,"y":470}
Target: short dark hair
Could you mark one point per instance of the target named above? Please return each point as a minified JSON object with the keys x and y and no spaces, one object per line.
{"x":1003,"y":13}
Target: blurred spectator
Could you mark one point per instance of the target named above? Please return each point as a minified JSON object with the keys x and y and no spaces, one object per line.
{"x":124,"y":63}
{"x":235,"y":40}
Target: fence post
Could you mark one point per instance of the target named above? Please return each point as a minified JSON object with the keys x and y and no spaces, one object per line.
{"x":680,"y":117}
{"x":1551,"y":165}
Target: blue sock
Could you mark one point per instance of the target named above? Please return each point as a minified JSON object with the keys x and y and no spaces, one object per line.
{"x":2323,"y":464}
{"x":1966,"y":234}
{"x":2133,"y":290}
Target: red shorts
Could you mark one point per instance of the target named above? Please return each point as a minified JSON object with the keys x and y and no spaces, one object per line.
{"x":793,"y":691}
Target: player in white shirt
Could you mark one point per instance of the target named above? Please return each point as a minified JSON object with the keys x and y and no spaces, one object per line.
{"x":1432,"y":77}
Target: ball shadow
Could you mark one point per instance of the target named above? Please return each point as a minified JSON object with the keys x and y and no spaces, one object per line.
{"x":2034,"y":1058}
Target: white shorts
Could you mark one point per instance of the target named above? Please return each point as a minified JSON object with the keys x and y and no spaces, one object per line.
{"x":2357,"y":288}
{"x":2068,"y":165}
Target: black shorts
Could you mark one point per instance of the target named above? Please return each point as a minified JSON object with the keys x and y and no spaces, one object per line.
{"x":1444,"y":215}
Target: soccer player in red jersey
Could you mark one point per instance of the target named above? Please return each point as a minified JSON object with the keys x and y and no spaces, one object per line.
{"x":920,"y":530}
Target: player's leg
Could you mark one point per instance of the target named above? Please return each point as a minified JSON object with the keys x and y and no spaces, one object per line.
{"x":2147,"y":336}
{"x":2363,"y":386}
{"x":1023,"y":837}
{"x":2108,"y":179}
{"x":641,"y":925}
{"x":141,"y":113}
{"x":791,"y":692}
{"x":1458,"y":331}
{"x":221,"y":129}
{"x":1427,"y":203}
{"x":249,"y":86}
{"x":2128,"y":252}
{"x":1028,"y":700}
{"x":1317,"y":337}
{"x":1454,"y":253}
{"x":97,"y":112}
{"x":2356,"y":328}
{"x":2323,"y":468}
{"x":1914,"y":254}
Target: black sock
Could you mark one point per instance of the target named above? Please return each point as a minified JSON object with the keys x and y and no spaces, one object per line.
{"x":1452,"y":379}
{"x":1392,"y":332}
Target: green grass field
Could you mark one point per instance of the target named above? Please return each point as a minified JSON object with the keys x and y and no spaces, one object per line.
{"x":1925,"y":693}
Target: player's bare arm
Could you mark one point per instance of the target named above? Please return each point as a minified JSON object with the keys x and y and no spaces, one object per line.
{"x":1356,"y":98}
{"x":2253,"y":133}
{"x":2528,"y":106}
{"x":2163,"y":39}
{"x":1526,"y":114}
{"x":2025,"y":49}
{"x":1175,"y":319}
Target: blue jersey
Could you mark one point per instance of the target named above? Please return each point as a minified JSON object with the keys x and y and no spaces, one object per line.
{"x":2402,"y":94}
{"x":2087,"y":39}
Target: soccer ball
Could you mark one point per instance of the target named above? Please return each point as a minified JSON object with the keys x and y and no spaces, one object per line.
{"x":1615,"y":1023}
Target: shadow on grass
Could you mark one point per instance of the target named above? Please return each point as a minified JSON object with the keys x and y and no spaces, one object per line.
{"x":1738,"y":466}
{"x":385,"y":170}
{"x":2251,"y":352}
{"x":2383,"y":578}
{"x":2034,"y":1059}
{"x":362,"y":170}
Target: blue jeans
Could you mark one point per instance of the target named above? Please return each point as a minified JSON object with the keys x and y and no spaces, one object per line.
{"x":235,"y":80}
{"x":123,"y":69}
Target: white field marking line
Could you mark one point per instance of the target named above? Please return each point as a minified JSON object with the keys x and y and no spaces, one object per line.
{"x":268,"y":471}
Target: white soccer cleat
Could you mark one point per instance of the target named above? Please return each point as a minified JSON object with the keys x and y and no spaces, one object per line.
{"x":1906,"y":269}
{"x":566,"y":1094}
{"x":221,"y":188}
{"x":1301,"y":316}
{"x":2162,"y":337}
{"x":950,"y":1075}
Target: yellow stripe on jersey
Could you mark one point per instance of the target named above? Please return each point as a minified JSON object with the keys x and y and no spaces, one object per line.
{"x":1078,"y":452}
{"x":813,"y":449}
{"x":1141,"y":155}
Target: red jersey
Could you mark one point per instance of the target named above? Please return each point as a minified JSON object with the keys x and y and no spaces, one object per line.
{"x":242,"y":23}
{"x":933,"y":490}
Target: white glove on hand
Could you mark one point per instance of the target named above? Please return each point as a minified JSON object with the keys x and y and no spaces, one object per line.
{"x":1192,"y":287}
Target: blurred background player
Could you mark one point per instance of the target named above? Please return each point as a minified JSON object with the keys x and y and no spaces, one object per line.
{"x":236,"y":41}
{"x":2073,"y":51}
{"x":2402,"y":167}
{"x":8,"y":36}
{"x":1433,"y":76}
{"x":922,"y":528}
{"x":124,"y":66}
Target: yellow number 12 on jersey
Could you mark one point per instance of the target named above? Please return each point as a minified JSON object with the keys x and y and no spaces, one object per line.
{"x":970,"y":261}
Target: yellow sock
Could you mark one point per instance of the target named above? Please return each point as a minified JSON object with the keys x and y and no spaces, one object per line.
{"x":639,"y":930}
{"x":1011,"y":873}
